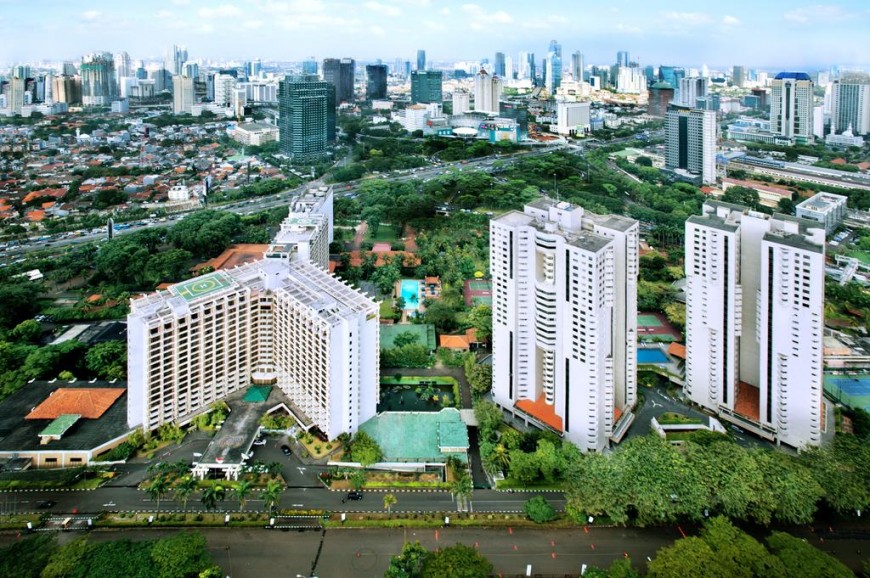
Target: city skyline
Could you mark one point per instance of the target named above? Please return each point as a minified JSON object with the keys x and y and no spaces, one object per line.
{"x":758,"y":35}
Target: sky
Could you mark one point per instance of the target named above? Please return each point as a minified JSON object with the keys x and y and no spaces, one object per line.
{"x":765,"y":34}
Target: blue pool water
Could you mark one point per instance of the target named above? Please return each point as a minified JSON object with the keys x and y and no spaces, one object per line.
{"x":411,"y":294}
{"x":651,"y":356}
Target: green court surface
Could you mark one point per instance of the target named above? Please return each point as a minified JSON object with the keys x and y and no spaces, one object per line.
{"x":479,"y":285}
{"x":648,"y":321}
{"x":201,"y":286}
{"x":482,"y":300}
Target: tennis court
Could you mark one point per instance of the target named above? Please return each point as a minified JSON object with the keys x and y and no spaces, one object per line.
{"x":645,"y":320}
{"x":853,"y":390}
{"x":479,"y":285}
{"x":478,"y":292}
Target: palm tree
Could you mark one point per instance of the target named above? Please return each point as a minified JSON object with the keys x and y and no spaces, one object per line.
{"x":462,"y":485}
{"x":156,"y":489}
{"x":211,"y":496}
{"x":271,"y":494}
{"x":389,"y":502}
{"x":241,"y":493}
{"x":274,"y":468}
{"x":501,"y":456}
{"x":183,"y":490}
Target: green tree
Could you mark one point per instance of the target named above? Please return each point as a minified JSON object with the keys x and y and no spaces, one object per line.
{"x":108,"y":360}
{"x":65,"y":561}
{"x":364,"y":449}
{"x":408,"y":564}
{"x":25,"y":558}
{"x":524,"y":467}
{"x":741,"y":196}
{"x":457,"y":561}
{"x":271,"y":494}
{"x":241,"y":492}
{"x":211,"y":496}
{"x":389,"y":502}
{"x":184,"y":554}
{"x":183,"y":490}
{"x":405,"y":338}
{"x":157,"y":489}
{"x":18,"y":302}
{"x":171,"y":265}
{"x":801,"y":559}
{"x":28,"y":331}
{"x":539,"y":510}
{"x":687,"y":557}
{"x":480,"y":318}
{"x":489,"y":417}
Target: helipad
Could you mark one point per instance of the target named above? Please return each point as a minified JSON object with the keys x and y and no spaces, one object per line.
{"x":202,"y":285}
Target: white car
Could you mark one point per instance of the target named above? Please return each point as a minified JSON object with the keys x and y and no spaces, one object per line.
{"x":260,"y":442}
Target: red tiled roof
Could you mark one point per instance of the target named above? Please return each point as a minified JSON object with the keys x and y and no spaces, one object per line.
{"x":677,"y":350}
{"x":88,"y":402}
{"x":542,"y":411}
{"x":453,"y":341}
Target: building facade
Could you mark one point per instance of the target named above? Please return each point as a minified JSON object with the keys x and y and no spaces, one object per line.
{"x":565,"y":320}
{"x":690,"y":137}
{"x":306,"y":123}
{"x":791,"y":106}
{"x":426,"y":86}
{"x":827,"y":209}
{"x":183,"y":94}
{"x":376,"y":81}
{"x":755,"y":321}
{"x":661,"y":94}
{"x":487,"y":92}
{"x":98,"y":79}
{"x":340,"y":73}
{"x":850,"y":105}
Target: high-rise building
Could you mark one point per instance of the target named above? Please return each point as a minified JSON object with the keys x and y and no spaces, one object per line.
{"x":176,"y":56}
{"x":123,"y":67}
{"x":565,"y":320}
{"x":461,"y":102}
{"x":376,"y":81}
{"x":98,"y":79}
{"x":499,"y":65}
{"x":487,"y":92}
{"x":340,"y":73}
{"x":282,"y":321}
{"x":661,"y":94}
{"x":309,"y":66}
{"x":623,"y":58}
{"x":578,"y":66}
{"x":15,"y":94}
{"x":426,"y":86}
{"x":421,"y":59}
{"x":671,"y":75}
{"x":738,"y":76}
{"x":69,"y":69}
{"x":66,"y":89}
{"x":224,"y":84}
{"x":253,"y":68}
{"x":850,"y":104}
{"x":306,"y":121}
{"x":553,"y":69}
{"x":572,"y":117}
{"x":690,"y":90}
{"x":755,"y":289}
{"x":630,"y":80}
{"x":690,"y":137}
{"x":183,"y":94}
{"x":508,"y":68}
{"x":791,"y":106}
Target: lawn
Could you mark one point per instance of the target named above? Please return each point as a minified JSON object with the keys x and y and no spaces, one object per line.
{"x":386,"y":234}
{"x":387,"y":310}
{"x":862,"y":256}
{"x":673,"y":418}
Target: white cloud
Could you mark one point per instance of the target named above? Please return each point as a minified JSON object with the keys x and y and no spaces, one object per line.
{"x":91,"y":15}
{"x":445,"y":12}
{"x":384,"y":9}
{"x":501,"y":17}
{"x":473,"y":9}
{"x":731,"y":21}
{"x":628,"y":29}
{"x":181,"y":2}
{"x":815,"y":13}
{"x":204,"y":28}
{"x":252,"y":24}
{"x":688,"y":18}
{"x":377,"y":31}
{"x":223,"y":11}
{"x":434,"y":26}
{"x":164,"y":15}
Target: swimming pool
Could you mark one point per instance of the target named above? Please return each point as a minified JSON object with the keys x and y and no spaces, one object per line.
{"x":411,"y":294}
{"x":651,"y":356}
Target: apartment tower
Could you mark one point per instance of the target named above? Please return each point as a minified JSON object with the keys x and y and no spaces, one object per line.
{"x":791,"y":106}
{"x":565,"y":320}
{"x":755,"y":288}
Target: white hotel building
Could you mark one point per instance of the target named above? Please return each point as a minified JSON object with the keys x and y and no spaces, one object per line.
{"x":755,"y":320}
{"x":565,"y":320}
{"x":282,"y":320}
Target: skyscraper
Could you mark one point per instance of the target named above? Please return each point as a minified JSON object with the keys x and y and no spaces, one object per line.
{"x":340,"y":73}
{"x":175,"y":59}
{"x":499,"y":67}
{"x":15,"y":94}
{"x":578,"y":65}
{"x":661,"y":94}
{"x":421,"y":59}
{"x":123,"y":67}
{"x":690,"y":137}
{"x":565,"y":320}
{"x":376,"y":81}
{"x":791,"y":106}
{"x":253,"y":68}
{"x":623,"y":58}
{"x":850,"y":104}
{"x":426,"y":86}
{"x":554,"y":67}
{"x":98,"y":79}
{"x":755,"y":289}
{"x":183,"y":94}
{"x":690,"y":90}
{"x":306,"y":122}
{"x":309,"y":66}
{"x":738,"y":76}
{"x":487,"y":92}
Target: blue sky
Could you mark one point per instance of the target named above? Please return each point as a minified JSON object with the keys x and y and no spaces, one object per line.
{"x":758,"y":33}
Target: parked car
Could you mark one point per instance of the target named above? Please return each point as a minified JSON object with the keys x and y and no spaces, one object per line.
{"x":259,"y":442}
{"x":286,"y":450}
{"x":354,"y":496}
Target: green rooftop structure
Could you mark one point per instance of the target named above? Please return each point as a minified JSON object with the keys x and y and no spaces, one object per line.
{"x":420,"y":436}
{"x":425,"y":334}
{"x":59,"y":426}
{"x":202,"y":285}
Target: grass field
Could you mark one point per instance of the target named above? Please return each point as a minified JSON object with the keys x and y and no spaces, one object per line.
{"x":386,"y":234}
{"x":862,"y":256}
